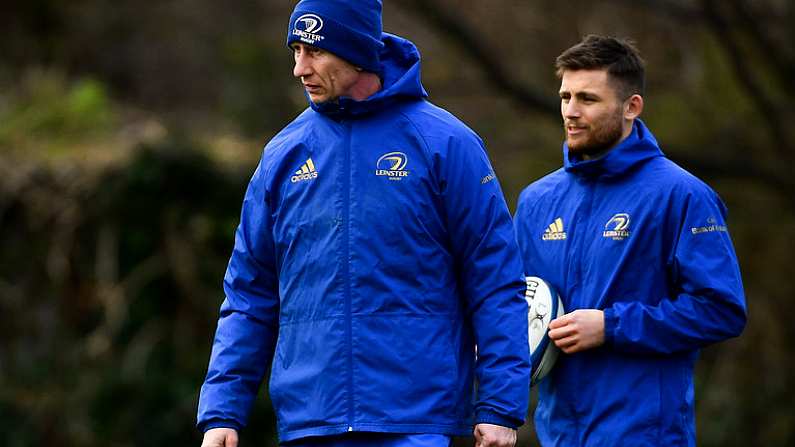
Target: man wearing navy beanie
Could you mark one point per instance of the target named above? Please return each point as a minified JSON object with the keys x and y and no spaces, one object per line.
{"x":374,"y":252}
{"x":348,"y":29}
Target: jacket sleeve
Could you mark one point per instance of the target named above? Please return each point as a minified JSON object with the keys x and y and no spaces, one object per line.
{"x":491,"y":278}
{"x":707,"y":303}
{"x":248,"y":322}
{"x":522,"y":226}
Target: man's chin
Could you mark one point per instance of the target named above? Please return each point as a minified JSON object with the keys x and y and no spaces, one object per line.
{"x":588,"y":152}
{"x":577,"y":147}
{"x":318,"y":99}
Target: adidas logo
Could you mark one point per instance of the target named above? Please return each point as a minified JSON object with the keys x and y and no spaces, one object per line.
{"x":555,"y":231}
{"x":307,"y":172}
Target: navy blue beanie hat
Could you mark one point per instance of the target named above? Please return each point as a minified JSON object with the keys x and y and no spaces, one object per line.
{"x":350,"y":29}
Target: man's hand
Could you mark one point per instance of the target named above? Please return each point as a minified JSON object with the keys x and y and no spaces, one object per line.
{"x":579,"y":330}
{"x":220,"y":437}
{"x":489,"y":435}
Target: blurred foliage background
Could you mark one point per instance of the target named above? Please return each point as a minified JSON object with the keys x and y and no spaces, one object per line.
{"x":128,"y":132}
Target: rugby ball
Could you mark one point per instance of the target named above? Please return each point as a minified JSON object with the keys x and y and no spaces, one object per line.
{"x":543,"y":305}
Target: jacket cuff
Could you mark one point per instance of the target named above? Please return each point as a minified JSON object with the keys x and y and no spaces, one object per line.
{"x":218,"y":423}
{"x":490,"y":417}
{"x":611,"y":321}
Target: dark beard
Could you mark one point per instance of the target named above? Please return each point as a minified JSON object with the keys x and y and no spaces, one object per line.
{"x":602,"y":140}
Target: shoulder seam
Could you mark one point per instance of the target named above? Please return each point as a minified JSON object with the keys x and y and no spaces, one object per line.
{"x":426,"y":147}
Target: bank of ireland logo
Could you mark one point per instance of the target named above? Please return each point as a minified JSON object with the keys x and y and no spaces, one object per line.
{"x":307,"y":28}
{"x":711,"y":226}
{"x":617,"y":227}
{"x":392,"y":165}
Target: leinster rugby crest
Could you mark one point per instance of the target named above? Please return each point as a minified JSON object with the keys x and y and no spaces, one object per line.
{"x":617,"y":228}
{"x":307,"y":28}
{"x":392,"y":165}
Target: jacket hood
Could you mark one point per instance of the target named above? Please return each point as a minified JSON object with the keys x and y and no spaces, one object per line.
{"x":638,"y":147}
{"x":400,"y":68}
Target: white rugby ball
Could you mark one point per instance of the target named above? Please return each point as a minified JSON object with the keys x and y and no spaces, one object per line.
{"x":543,"y":305}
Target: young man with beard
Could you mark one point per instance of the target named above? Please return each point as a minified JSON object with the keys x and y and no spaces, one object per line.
{"x":375,"y":249}
{"x":639,"y":251}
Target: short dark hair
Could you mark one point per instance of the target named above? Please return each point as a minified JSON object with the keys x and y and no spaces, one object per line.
{"x":618,"y":56}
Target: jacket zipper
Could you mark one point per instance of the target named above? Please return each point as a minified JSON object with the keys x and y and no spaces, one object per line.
{"x":581,"y":245}
{"x":346,"y":182}
{"x":581,"y":234}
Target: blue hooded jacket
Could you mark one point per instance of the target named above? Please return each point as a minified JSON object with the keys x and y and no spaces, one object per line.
{"x":637,"y":236}
{"x":375,"y":249}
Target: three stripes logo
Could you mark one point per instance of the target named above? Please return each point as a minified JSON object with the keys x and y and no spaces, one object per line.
{"x":555,"y":231}
{"x":307,"y":172}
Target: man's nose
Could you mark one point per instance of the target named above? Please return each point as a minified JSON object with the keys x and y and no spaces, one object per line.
{"x":571,"y":109}
{"x":302,"y":66}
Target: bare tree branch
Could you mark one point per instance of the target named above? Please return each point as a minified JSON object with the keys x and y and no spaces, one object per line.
{"x":778,"y":57}
{"x":676,"y":11}
{"x":766,"y":107}
{"x":464,"y":37}
{"x":777,"y":178}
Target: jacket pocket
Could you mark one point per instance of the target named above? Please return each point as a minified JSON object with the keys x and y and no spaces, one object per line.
{"x":308,"y":374}
{"x":408,"y":369}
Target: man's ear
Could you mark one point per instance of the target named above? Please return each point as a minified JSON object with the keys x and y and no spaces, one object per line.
{"x":633,"y":107}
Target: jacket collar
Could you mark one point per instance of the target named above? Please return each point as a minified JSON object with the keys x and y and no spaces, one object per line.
{"x":636,"y":149}
{"x":400,"y":61}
